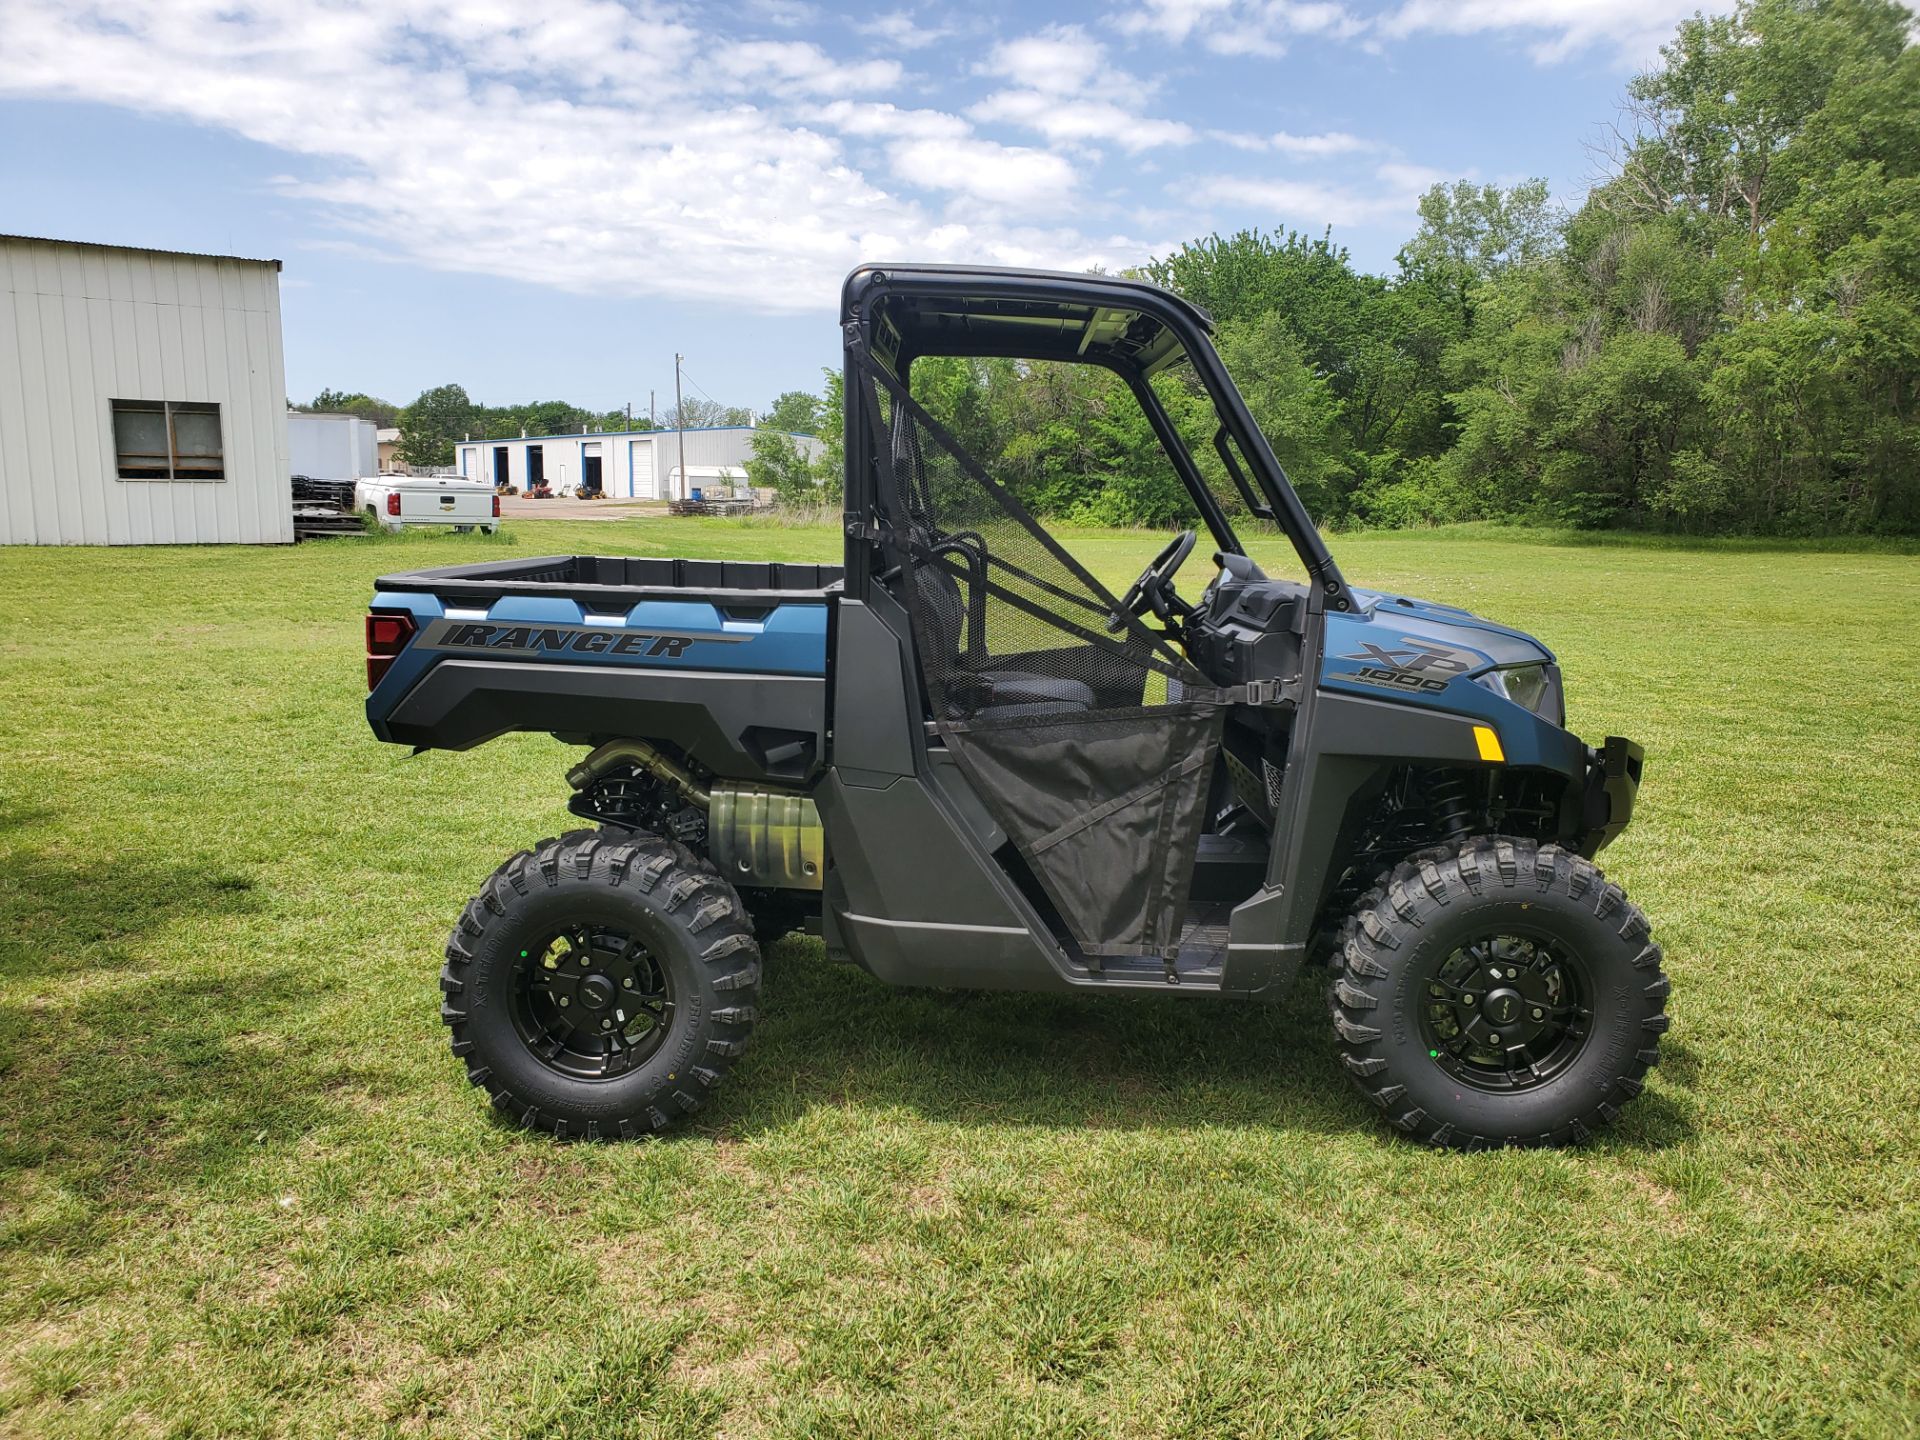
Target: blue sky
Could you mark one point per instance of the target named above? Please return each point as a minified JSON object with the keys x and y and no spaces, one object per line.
{"x":547,"y":201}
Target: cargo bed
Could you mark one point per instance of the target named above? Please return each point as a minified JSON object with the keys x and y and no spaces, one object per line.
{"x":724,"y":659}
{"x":606,"y":580}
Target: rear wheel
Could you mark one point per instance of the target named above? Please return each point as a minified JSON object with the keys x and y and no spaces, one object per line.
{"x":1498,"y":992}
{"x":600,"y":985}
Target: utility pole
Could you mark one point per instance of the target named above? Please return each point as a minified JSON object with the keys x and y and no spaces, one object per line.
{"x":653,"y":422}
{"x":680,"y":424}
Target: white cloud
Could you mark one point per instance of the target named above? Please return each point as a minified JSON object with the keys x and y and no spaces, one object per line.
{"x":1301,"y":147}
{"x":1064,"y":89}
{"x":1067,"y":121}
{"x":1175,"y":20}
{"x":1311,"y":204}
{"x":1239,"y":27}
{"x":1059,"y":60}
{"x":871,"y":118}
{"x":1635,"y":29}
{"x":1333,"y":142}
{"x":1009,"y":175}
{"x":899,"y":29}
{"x":788,"y":14}
{"x":798,"y":67}
{"x":603,"y":147}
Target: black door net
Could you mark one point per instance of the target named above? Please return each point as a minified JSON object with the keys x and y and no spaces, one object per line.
{"x":1088,"y":736}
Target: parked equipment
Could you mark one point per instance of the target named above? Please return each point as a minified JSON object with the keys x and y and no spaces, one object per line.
{"x":323,"y":507}
{"x":967,"y":763}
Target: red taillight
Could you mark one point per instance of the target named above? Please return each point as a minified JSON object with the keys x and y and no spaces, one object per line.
{"x":496,"y":507}
{"x":393,"y":502}
{"x":387,"y":635}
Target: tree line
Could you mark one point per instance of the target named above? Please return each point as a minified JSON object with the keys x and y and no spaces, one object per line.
{"x":431,"y":424}
{"x":1724,"y":336}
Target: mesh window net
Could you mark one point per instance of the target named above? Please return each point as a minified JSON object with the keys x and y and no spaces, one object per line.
{"x":1092,"y":746}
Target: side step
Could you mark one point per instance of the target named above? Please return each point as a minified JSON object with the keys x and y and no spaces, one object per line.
{"x":1198,"y":966}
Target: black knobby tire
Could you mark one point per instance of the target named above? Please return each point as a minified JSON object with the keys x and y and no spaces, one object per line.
{"x":773,"y":914}
{"x":1507,"y":907}
{"x":690,"y":934}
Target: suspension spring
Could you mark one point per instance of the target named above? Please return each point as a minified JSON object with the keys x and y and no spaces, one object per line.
{"x":1447,"y":800}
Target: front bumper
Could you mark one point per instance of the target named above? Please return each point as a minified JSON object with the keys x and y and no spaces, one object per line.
{"x":1613,"y":782}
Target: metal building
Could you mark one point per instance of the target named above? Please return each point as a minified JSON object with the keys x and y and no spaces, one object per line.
{"x":637,"y":464}
{"x":143,"y":397}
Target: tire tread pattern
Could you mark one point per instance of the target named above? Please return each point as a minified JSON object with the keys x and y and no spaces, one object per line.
{"x":1388,"y":919}
{"x":678,"y":886}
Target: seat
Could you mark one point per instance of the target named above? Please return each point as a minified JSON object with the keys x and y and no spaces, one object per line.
{"x":945,"y":613}
{"x":1009,"y":694}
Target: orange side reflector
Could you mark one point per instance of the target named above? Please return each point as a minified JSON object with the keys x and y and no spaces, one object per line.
{"x":1489,"y":744}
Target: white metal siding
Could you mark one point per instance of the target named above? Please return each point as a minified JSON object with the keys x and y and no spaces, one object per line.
{"x":331,"y":447}
{"x":654,"y":457}
{"x":81,"y":326}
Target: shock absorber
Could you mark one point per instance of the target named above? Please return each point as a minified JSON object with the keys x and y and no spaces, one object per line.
{"x":1447,"y":800}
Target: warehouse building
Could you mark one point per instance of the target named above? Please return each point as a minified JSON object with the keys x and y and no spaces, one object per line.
{"x":143,"y":397}
{"x":624,"y":464}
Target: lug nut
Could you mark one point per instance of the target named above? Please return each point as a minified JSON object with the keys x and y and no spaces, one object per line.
{"x":1469,"y":1000}
{"x":564,"y":1002}
{"x":606,"y":1024}
{"x":1539,"y":1014}
{"x":627,"y":984}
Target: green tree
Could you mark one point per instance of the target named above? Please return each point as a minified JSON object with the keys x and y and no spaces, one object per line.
{"x":1729,"y":337}
{"x":1376,"y":344}
{"x":778,"y":463}
{"x":796,"y":411}
{"x":383,"y":413}
{"x":696,"y":412}
{"x":1293,"y":405}
{"x":1470,"y":233}
{"x":431,"y":424}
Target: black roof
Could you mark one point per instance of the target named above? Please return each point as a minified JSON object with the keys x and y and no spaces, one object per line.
{"x":1034,"y":314}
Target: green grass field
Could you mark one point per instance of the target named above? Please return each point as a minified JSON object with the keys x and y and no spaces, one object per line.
{"x":245,"y":1191}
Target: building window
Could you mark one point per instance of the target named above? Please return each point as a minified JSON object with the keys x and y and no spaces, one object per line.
{"x":167,"y":440}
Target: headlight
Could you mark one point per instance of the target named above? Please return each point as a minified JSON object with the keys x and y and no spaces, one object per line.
{"x":1532,"y":687}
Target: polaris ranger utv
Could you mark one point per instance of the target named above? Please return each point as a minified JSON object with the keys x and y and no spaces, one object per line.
{"x":965,"y":762}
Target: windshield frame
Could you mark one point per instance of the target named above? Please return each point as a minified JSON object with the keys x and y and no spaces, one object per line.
{"x":868,"y":305}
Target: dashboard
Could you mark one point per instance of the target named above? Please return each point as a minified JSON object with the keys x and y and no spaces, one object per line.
{"x":1247,"y":626}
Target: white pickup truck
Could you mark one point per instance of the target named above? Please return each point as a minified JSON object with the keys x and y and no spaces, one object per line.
{"x":397,"y":502}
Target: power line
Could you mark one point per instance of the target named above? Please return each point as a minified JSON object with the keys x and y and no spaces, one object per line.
{"x":702,"y":389}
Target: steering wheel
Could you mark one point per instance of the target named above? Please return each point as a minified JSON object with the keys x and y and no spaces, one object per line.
{"x":1154,"y":588}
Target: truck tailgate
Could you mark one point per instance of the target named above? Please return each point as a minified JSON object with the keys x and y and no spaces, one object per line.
{"x":461,"y":503}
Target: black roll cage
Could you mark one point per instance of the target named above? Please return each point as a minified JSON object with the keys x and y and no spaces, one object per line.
{"x":1009,"y":308}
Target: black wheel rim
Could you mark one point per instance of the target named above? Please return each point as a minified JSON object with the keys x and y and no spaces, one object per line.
{"x":1507,"y":1011}
{"x":591,"y":1001}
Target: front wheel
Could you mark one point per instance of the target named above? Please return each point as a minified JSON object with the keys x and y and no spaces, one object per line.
{"x":1498,"y":992}
{"x":601,"y":984}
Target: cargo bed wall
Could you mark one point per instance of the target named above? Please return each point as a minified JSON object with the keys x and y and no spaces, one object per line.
{"x":592,"y":648}
{"x":598,"y":577}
